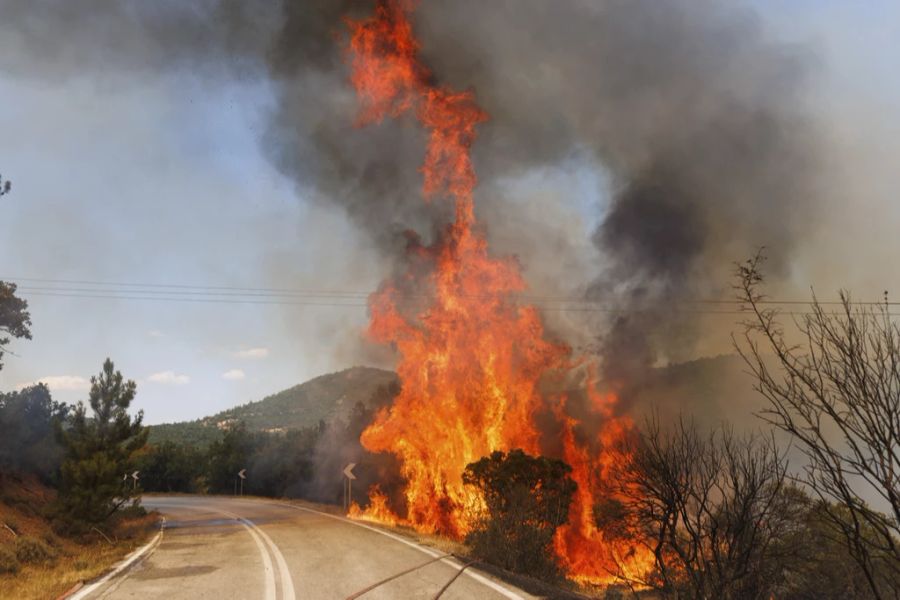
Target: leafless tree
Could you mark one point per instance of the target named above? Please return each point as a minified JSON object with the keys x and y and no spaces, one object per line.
{"x":710,"y":507}
{"x":837,"y":393}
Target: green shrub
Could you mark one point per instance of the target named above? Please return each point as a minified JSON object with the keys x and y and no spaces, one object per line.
{"x":527,"y":498}
{"x":8,"y":562}
{"x":50,"y":539}
{"x":33,"y":550}
{"x":26,"y":508}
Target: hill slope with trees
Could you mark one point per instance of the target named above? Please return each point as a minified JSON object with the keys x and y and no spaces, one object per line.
{"x":324,"y":398}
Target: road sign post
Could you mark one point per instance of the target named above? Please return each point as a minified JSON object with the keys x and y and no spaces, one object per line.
{"x":348,"y":490}
{"x":242,"y":474}
{"x":135,"y":477}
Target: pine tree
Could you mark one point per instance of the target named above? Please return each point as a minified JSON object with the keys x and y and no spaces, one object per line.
{"x":99,"y":449}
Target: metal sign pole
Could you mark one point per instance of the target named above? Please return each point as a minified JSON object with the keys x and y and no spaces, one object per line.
{"x":242,"y":476}
{"x":348,"y":489}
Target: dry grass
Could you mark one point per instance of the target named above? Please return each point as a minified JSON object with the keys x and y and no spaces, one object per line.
{"x":68,"y":561}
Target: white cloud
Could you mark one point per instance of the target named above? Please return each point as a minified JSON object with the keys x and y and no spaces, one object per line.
{"x":169,"y":378}
{"x":156,"y":333}
{"x":61,"y":383}
{"x":233,"y":375}
{"x":252,"y":353}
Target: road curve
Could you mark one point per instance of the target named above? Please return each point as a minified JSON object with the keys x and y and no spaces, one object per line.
{"x":218,"y":547}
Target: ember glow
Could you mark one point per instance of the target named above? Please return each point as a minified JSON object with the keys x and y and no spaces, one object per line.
{"x":472,"y":358}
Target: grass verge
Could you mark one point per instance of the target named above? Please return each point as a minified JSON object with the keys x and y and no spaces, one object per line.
{"x":37,"y":563}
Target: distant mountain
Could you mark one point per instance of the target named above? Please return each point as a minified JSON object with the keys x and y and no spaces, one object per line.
{"x":324,"y":398}
{"x":708,"y":390}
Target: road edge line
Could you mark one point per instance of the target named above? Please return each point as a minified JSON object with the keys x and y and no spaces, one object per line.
{"x":129,"y":561}
{"x":268,"y":568}
{"x":447,"y":561}
{"x":287,"y":581}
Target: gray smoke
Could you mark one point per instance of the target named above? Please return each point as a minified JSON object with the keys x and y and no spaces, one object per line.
{"x":695,"y":118}
{"x":698,"y":120}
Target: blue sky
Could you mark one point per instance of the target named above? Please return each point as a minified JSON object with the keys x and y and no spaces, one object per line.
{"x":166,"y":182}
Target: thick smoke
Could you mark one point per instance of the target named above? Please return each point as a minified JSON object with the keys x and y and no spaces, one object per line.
{"x":696,"y":118}
{"x":693,"y":117}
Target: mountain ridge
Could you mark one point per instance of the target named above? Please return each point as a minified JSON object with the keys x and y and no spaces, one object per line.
{"x":324,"y":398}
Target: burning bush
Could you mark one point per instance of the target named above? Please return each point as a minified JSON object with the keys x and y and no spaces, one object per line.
{"x":525,"y":499}
{"x":714,"y":508}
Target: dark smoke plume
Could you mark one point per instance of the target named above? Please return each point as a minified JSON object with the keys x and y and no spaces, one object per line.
{"x":694,"y":117}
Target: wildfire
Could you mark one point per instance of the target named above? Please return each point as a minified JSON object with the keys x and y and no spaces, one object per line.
{"x":472,"y":358}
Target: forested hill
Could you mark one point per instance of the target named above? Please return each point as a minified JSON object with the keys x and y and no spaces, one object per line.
{"x":324,"y":398}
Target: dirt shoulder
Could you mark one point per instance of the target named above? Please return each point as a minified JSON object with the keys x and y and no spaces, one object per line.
{"x":37,"y":563}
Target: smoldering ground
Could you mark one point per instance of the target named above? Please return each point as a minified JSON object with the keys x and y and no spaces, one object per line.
{"x":693,"y":119}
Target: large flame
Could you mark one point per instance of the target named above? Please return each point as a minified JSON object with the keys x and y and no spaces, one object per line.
{"x":472,"y":357}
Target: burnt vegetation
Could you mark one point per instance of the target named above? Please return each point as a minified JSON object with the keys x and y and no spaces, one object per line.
{"x":836,"y":391}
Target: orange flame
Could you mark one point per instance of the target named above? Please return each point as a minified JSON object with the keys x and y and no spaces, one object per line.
{"x":377,"y":511}
{"x":471,"y":360}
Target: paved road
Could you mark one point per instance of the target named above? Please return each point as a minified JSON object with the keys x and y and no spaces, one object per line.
{"x":220,"y":548}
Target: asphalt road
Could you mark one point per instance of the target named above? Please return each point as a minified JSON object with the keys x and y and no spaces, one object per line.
{"x":215,"y":547}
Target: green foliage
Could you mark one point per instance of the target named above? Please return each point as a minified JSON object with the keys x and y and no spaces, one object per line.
{"x":171,"y":467}
{"x":330,"y":398}
{"x":277,"y":464}
{"x":33,"y":550}
{"x":8,"y":561}
{"x":281,"y":464}
{"x":15,"y":321}
{"x":228,"y":456}
{"x":527,"y":498}
{"x":199,"y":434}
{"x":99,"y":450}
{"x":28,"y":420}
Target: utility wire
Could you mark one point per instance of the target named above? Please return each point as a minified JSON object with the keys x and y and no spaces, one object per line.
{"x":66,"y":288}
{"x":193,"y":290}
{"x":563,"y":309}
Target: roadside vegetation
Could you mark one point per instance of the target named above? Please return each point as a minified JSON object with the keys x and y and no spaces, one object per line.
{"x":66,"y":513}
{"x":526,"y":499}
{"x":723,"y":515}
{"x":38,"y":562}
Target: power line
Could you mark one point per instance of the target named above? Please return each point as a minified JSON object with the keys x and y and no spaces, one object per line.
{"x":341,"y":298}
{"x":564,"y":309}
{"x":192,"y":300}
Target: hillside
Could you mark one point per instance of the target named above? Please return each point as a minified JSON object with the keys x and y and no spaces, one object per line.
{"x":709,"y":389}
{"x":35,"y":562}
{"x":323,"y":398}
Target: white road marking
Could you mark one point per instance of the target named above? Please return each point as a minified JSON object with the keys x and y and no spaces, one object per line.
{"x":476,"y":576}
{"x":261,"y":543}
{"x":284,"y":573}
{"x":129,"y":561}
{"x":269,"y":590}
{"x":287,"y":582}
